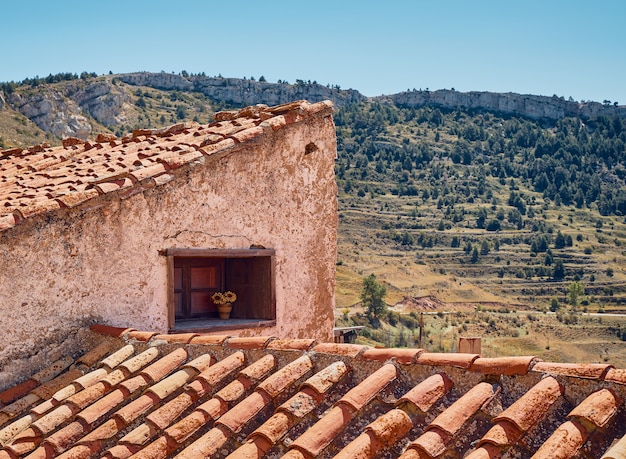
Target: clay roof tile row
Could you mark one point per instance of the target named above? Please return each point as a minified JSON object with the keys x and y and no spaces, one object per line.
{"x":198,"y":395}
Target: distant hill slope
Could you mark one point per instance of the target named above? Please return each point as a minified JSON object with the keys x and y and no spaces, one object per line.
{"x":463,"y":197}
{"x":90,"y":104}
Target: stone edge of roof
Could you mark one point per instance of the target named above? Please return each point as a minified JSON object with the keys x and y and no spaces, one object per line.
{"x":489,"y":366}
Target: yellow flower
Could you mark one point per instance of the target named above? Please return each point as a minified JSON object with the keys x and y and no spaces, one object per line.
{"x":230,"y":297}
{"x":223,"y":298}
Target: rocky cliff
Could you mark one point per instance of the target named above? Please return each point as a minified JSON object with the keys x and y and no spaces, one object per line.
{"x":64,"y":109}
{"x":244,"y":92}
{"x":535,"y":107}
{"x":75,"y":108}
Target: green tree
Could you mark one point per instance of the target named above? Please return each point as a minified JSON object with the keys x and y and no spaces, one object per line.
{"x":475,"y":257}
{"x":559,"y":270}
{"x":575,"y":292}
{"x":372,"y":297}
{"x":554,"y":305}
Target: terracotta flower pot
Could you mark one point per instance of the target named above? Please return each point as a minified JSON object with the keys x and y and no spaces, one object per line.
{"x":224,"y":310}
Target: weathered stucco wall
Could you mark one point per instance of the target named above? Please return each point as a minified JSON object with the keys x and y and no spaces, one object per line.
{"x":100,"y":262}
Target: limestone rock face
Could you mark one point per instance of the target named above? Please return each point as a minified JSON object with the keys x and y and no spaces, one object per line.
{"x":245,"y":92}
{"x":104,"y":101}
{"x":2,"y":102}
{"x":161,"y":80}
{"x":53,"y":112}
{"x":535,"y":107}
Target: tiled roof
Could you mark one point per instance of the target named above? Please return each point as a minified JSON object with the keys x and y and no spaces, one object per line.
{"x":145,"y":395}
{"x":44,"y":179}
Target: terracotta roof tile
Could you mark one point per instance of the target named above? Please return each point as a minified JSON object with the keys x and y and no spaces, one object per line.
{"x":292,"y":410}
{"x":432,"y":442}
{"x":428,"y":392}
{"x":100,"y":351}
{"x":140,"y":436}
{"x":165,"y":365}
{"x":502,"y":365}
{"x":255,"y":342}
{"x":453,"y":360}
{"x":177,"y":337}
{"x":172,"y":383}
{"x":323,"y":432}
{"x":118,"y":332}
{"x":53,"y":370}
{"x":533,"y":405}
{"x":101,"y":407}
{"x":12,"y":430}
{"x":566,"y":440}
{"x":286,"y":376}
{"x":244,"y":411}
{"x":617,"y":375}
{"x":598,"y":408}
{"x":209,"y":339}
{"x":136,"y":408}
{"x":405,"y":356}
{"x":617,"y":451}
{"x":183,"y":429}
{"x":168,"y":413}
{"x":117,"y":357}
{"x":85,"y":381}
{"x":486,"y":451}
{"x":591,"y":370}
{"x":83,"y":398}
{"x":292,"y":344}
{"x":325,"y":379}
{"x":260,"y":369}
{"x":207,"y":380}
{"x":364,"y":446}
{"x":13,"y":393}
{"x":137,"y":362}
{"x":21,"y":404}
{"x":390,"y":427}
{"x":504,"y":433}
{"x":167,"y":398}
{"x":141,"y":336}
{"x":453,"y":418}
{"x":349,"y":350}
{"x":206,"y":445}
{"x":274,"y":428}
{"x":80,"y":452}
{"x":48,"y":389}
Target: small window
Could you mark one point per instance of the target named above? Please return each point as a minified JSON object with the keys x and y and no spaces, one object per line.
{"x":196,"y":274}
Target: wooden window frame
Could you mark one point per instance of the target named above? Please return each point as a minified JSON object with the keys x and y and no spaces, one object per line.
{"x":265,"y":256}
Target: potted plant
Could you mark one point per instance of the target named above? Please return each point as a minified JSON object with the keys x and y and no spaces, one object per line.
{"x":224,"y":302}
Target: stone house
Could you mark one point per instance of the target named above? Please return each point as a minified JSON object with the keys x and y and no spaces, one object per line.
{"x":141,"y":231}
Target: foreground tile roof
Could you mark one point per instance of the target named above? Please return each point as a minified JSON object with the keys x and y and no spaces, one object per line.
{"x":44,"y":179}
{"x":144,"y":395}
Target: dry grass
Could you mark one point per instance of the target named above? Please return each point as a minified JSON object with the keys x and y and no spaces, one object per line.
{"x":593,"y":339}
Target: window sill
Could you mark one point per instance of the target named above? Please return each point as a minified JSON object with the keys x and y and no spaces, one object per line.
{"x":213,"y":325}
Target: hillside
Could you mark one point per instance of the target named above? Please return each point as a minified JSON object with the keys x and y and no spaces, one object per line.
{"x":450,"y":198}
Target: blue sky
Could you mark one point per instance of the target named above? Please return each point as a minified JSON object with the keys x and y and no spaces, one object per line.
{"x":568,"y":48}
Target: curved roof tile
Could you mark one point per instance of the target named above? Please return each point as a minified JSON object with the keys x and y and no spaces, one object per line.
{"x":176,"y":396}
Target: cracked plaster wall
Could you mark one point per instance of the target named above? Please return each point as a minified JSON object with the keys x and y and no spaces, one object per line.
{"x":100,"y":262}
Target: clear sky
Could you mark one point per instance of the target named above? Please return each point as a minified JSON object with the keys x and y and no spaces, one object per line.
{"x":564,"y":47}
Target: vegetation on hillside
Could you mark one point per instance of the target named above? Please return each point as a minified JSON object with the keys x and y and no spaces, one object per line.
{"x":518,"y":207}
{"x":465,"y":206}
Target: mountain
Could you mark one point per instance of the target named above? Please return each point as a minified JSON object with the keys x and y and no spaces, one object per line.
{"x":66,"y":105}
